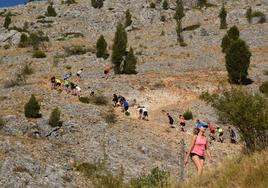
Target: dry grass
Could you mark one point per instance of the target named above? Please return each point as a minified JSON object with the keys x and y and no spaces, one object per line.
{"x":245,"y":171}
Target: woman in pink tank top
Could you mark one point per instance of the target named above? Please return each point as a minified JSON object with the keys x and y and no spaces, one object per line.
{"x":198,"y":148}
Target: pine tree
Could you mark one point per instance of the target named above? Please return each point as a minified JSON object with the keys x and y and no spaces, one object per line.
{"x":51,"y":11}
{"x":165,"y":5}
{"x":24,"y":41}
{"x":102,"y":48}
{"x":128,"y":21}
{"x":222,"y":16}
{"x":237,"y":61}
{"x":119,"y":47}
{"x":233,"y":33}
{"x":7,"y":21}
{"x":179,"y":14}
{"x":31,"y":109}
{"x":130,"y":63}
{"x":54,"y":119}
{"x":225,"y":43}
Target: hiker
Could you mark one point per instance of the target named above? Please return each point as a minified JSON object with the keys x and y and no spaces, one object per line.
{"x":67,"y":76}
{"x":220,"y":131}
{"x":232,"y":135}
{"x":57,"y":83}
{"x":121,"y":100}
{"x":78,"y":74}
{"x":77,"y":90}
{"x":182,"y":122}
{"x":143,"y":113}
{"x":171,"y":120}
{"x":53,"y":82}
{"x":198,"y":148}
{"x":211,"y":131}
{"x":106,"y":72}
{"x":72,"y":86}
{"x":115,"y":100}
{"x":125,"y":106}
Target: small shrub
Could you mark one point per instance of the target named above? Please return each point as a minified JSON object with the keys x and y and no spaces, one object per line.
{"x":165,"y":5}
{"x":23,"y":40}
{"x":54,"y":119}
{"x":6,"y":46}
{"x":152,"y":5}
{"x":201,"y":3}
{"x":27,"y":70}
{"x":7,"y":21}
{"x":161,"y":34}
{"x":222,"y":16}
{"x":73,"y":35}
{"x":84,"y":99}
{"x":75,"y":50}
{"x":188,"y":115}
{"x":50,"y":11}
{"x":157,"y":178}
{"x":264,"y":88}
{"x":110,"y":117}
{"x":265,"y":72}
{"x":249,"y":15}
{"x":69,"y":2}
{"x":2,"y":123}
{"x":40,"y":17}
{"x":39,"y":54}
{"x":31,"y":109}
{"x":128,"y":20}
{"x":97,"y":3}
{"x":99,"y":100}
{"x":163,"y":18}
{"x":102,"y":48}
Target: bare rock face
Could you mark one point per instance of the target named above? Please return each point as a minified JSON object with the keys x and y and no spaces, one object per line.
{"x":11,"y":37}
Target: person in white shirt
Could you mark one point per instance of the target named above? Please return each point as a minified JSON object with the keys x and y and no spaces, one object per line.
{"x":78,"y":74}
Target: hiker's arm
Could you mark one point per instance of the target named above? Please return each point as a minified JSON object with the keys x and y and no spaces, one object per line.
{"x":190,"y":149}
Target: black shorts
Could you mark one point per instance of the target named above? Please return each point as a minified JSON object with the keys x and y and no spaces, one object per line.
{"x":200,"y":157}
{"x":182,"y":124}
{"x":106,"y":72}
{"x":126,"y":108}
{"x":220,"y":134}
{"x":145,"y":114}
{"x":78,"y":75}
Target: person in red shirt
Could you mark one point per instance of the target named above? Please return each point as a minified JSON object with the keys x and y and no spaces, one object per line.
{"x":212,"y":131}
{"x":182,"y":122}
{"x":106,"y":72}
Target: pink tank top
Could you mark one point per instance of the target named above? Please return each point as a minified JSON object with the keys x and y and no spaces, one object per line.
{"x":199,"y":146}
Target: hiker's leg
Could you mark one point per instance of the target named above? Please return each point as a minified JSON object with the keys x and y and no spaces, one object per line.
{"x":197,"y":163}
{"x":201,"y":166}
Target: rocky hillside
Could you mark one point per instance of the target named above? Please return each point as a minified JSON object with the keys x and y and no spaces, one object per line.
{"x":170,"y":78}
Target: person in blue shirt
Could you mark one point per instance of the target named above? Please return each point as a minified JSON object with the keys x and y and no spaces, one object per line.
{"x":125,"y":105}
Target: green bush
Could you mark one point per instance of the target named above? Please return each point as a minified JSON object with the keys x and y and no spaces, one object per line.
{"x":50,"y":11}
{"x":237,"y":61}
{"x":233,"y":33}
{"x":97,"y":3}
{"x":265,"y":72}
{"x":157,"y":178}
{"x":39,"y":54}
{"x":129,"y":66}
{"x":99,"y":100}
{"x":7,"y":21}
{"x":2,"y":123}
{"x":152,"y":5}
{"x":207,"y":97}
{"x":34,"y":40}
{"x":102,"y":48}
{"x":249,"y":15}
{"x":75,"y":50}
{"x":27,"y":70}
{"x":128,"y":20}
{"x":6,"y":46}
{"x":222,"y":16}
{"x":84,"y":99}
{"x":40,"y":17}
{"x":110,"y":117}
{"x":264,"y":88}
{"x":248,"y":113}
{"x":165,"y":5}
{"x":54,"y":119}
{"x":31,"y":109}
{"x":69,"y":2}
{"x":225,"y":43}
{"x":262,"y":18}
{"x":188,"y":115}
{"x":201,"y":3}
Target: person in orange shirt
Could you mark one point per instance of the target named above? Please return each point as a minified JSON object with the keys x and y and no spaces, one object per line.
{"x":106,"y":72}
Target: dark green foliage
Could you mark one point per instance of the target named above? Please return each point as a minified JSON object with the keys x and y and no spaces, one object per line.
{"x":248,"y":113}
{"x":54,"y":119}
{"x":99,"y":100}
{"x":102,"y":48}
{"x":157,"y":178}
{"x":222,"y":17}
{"x":179,"y":34}
{"x":207,"y":97}
{"x":259,"y":14}
{"x":188,"y":115}
{"x":233,"y":33}
{"x":201,"y":3}
{"x":110,"y":117}
{"x":7,"y":21}
{"x":23,"y":40}
{"x":39,"y":54}
{"x":128,"y":20}
{"x":264,"y":88}
{"x":165,"y":5}
{"x":40,"y":17}
{"x":179,"y":14}
{"x":237,"y":61}
{"x":249,"y":15}
{"x":97,"y":3}
{"x":265,"y":72}
{"x":2,"y":123}
{"x":75,"y":50}
{"x":130,"y":63}
{"x":152,"y":5}
{"x":34,"y":40}
{"x":31,"y":109}
{"x":119,"y":47}
{"x":50,"y":11}
{"x":6,"y":46}
{"x":84,"y":99}
{"x":69,"y":2}
{"x":191,"y":27}
{"x":163,"y":18}
{"x":27,"y":70}
{"x":225,"y":43}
